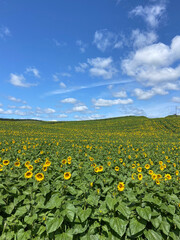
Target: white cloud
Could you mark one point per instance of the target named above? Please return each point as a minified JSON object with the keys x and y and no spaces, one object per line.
{"x":107,"y":103}
{"x":82,"y":46}
{"x":91,"y":117}
{"x":55,"y":78}
{"x":151,"y":65}
{"x":62,"y":116}
{"x":141,"y":39}
{"x":19,"y":81}
{"x":128,"y":110}
{"x":144,"y":95}
{"x":120,"y":94}
{"x":33,"y":70}
{"x":59,"y":44}
{"x":82,"y":67}
{"x":25,"y":107}
{"x":65,"y":74}
{"x":45,"y":110}
{"x":69,"y":100}
{"x":80,"y":108}
{"x":176,"y":99}
{"x":14,"y":99}
{"x":2,"y":111}
{"x":1,"y":105}
{"x":104,"y":39}
{"x":62,"y":85}
{"x":151,"y":14}
{"x":102,"y":67}
{"x":4,"y":32}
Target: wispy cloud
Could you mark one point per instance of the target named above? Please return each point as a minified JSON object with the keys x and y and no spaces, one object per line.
{"x":18,"y":100}
{"x":4,"y":32}
{"x":82,"y":46}
{"x":151,"y":14}
{"x":108,"y":102}
{"x":74,"y":89}
{"x":58,"y":43}
{"x":20,"y":81}
{"x":33,"y":70}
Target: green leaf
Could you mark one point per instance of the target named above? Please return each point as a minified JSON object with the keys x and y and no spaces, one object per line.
{"x":124,"y":210}
{"x":165,"y":226}
{"x":118,"y":225}
{"x":156,"y":221}
{"x":93,"y":200}
{"x":145,"y":212}
{"x":136,"y":226}
{"x":29,"y":220}
{"x":22,"y":210}
{"x":41,"y":230}
{"x":110,"y":202}
{"x":9,"y":208}
{"x":64,"y":236}
{"x":175,"y":234}
{"x":55,"y":201}
{"x":78,"y":229}
{"x":152,"y":235}
{"x":84,"y":214}
{"x":53,"y":224}
{"x":22,"y":235}
{"x":71,"y":190}
{"x":176,"y":221}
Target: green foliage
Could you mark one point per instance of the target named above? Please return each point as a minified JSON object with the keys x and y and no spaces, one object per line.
{"x":86,"y":204}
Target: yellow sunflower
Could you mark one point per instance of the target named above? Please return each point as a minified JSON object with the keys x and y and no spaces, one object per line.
{"x":116,"y":168}
{"x":5,"y":162}
{"x":67,"y":175}
{"x":28,"y":174}
{"x":17,"y":164}
{"x":139,"y":169}
{"x":140,"y":176}
{"x":30,"y":167}
{"x":147,"y":166}
{"x":96,"y":169}
{"x":100,"y":168}
{"x":27,"y":163}
{"x":120,"y":186}
{"x":39,"y":177}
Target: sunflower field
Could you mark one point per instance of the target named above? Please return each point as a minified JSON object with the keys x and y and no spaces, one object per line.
{"x":90,"y":180}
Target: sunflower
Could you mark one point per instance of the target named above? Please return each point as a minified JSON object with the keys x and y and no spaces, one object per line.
{"x":120,"y":186}
{"x":44,"y":168}
{"x":27,"y":163}
{"x":133,"y":165}
{"x":160,"y":163}
{"x":17,"y":164}
{"x":150,"y":172}
{"x":147,"y":166}
{"x":168,"y":176}
{"x":161,"y":167}
{"x":116,"y":168}
{"x":96,"y":169}
{"x":67,"y":175}
{"x":109,"y":164}
{"x":64,"y":161}
{"x":28,"y":174}
{"x":100,"y":168}
{"x":140,"y":176}
{"x":157,"y":182}
{"x":91,"y":184}
{"x":177,"y":172}
{"x":154,"y":176}
{"x":30,"y":167}
{"x":139,"y":169}
{"x":39,"y":177}
{"x":48,"y":163}
{"x":6,"y":162}
{"x":132,"y":176}
{"x":159,"y":176}
{"x":91,"y":159}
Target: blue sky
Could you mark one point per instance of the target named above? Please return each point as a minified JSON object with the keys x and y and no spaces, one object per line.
{"x":89,"y":59}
